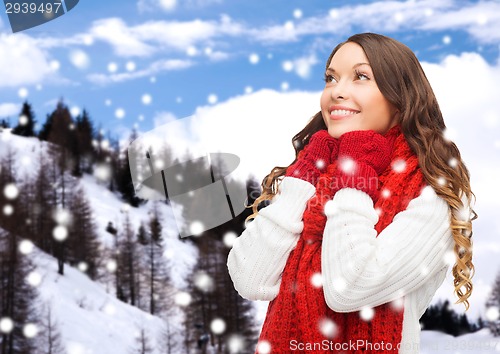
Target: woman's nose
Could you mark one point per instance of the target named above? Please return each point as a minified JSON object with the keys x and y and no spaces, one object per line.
{"x":339,"y":90}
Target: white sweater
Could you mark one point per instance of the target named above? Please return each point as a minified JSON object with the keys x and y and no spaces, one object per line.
{"x":406,"y":263}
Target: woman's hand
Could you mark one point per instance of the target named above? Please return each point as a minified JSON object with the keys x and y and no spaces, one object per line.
{"x":362,"y":156}
{"x":320,"y":152}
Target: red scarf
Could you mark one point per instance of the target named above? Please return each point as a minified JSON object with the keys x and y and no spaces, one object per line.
{"x":295,"y":314}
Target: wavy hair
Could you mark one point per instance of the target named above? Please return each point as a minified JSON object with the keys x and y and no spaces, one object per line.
{"x":402,"y":81}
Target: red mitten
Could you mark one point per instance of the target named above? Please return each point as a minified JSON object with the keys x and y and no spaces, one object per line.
{"x":314,"y":158}
{"x":363,"y":155}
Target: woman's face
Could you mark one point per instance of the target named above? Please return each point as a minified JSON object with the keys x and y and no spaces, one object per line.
{"x":351,"y":99}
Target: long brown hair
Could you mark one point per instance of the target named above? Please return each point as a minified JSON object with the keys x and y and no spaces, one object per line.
{"x":402,"y":81}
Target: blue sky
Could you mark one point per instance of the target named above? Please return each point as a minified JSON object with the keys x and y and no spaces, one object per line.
{"x":240,"y":65}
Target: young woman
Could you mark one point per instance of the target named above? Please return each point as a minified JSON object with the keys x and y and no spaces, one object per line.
{"x":364,"y":224}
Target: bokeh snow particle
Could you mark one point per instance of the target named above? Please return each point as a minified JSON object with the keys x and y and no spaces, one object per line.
{"x":62,"y":216}
{"x":333,"y":13}
{"x":23,"y":92}
{"x":34,"y":278}
{"x":317,"y":280}
{"x":212,"y":99}
{"x":328,"y":327}
{"x":60,"y":233}
{"x":54,"y":65}
{"x":79,"y":59}
{"x":203,"y":281}
{"x":366,"y":313}
{"x":218,"y":326}
{"x":26,"y":247}
{"x":191,"y":51}
{"x":75,"y":111}
{"x":120,"y":113}
{"x":23,"y":120}
{"x":229,"y":238}
{"x":183,"y":299}
{"x":8,"y":209}
{"x":248,"y":89}
{"x":297,"y":13}
{"x":111,"y":266}
{"x":107,"y":102}
{"x":253,"y":58}
{"x":146,"y":99}
{"x":102,"y":172}
{"x":6,"y":325}
{"x":236,"y":343}
{"x":112,"y":67}
{"x":196,"y":228}
{"x":446,"y":39}
{"x":30,"y":330}
{"x":287,"y":65}
{"x":10,"y":191}
{"x":289,"y":26}
{"x":263,"y":347}
{"x":492,"y":313}
{"x":285,"y":86}
{"x":130,"y":66}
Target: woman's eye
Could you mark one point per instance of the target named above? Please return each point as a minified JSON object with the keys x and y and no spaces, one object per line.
{"x":362,"y":76}
{"x":328,"y":78}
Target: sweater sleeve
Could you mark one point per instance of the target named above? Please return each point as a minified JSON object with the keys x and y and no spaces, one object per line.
{"x":363,"y":270}
{"x":258,"y":256}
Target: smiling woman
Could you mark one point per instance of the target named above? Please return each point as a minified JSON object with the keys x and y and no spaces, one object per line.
{"x":365,"y":223}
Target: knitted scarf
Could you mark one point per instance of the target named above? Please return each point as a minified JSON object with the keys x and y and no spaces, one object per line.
{"x":299,"y":310}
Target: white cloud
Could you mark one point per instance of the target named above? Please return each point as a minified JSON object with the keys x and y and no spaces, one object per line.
{"x":9,"y":109}
{"x":22,"y":52}
{"x":155,"y":67}
{"x":171,"y":5}
{"x":150,"y":37}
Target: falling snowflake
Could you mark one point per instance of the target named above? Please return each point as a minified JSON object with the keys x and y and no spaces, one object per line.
{"x":218,"y":326}
{"x":446,"y":39}
{"x":54,"y":65}
{"x":366,"y":313}
{"x":492,"y":313}
{"x":10,"y":191}
{"x":320,"y":163}
{"x":317,"y":280}
{"x":34,"y":278}
{"x":453,"y":162}
{"x":62,"y":216}
{"x":26,"y":247}
{"x":82,"y":266}
{"x":107,"y":102}
{"x":212,"y":99}
{"x":120,"y":113}
{"x":130,"y":66}
{"x":152,"y":79}
{"x":289,"y":26}
{"x":203,"y":281}
{"x":111,"y":265}
{"x":30,"y":330}
{"x":347,"y":165}
{"x":79,"y":59}
{"x":385,"y":193}
{"x":333,"y":13}
{"x":287,"y":65}
{"x":263,"y":347}
{"x":23,"y":120}
{"x":297,"y":13}
{"x":428,"y":12}
{"x":109,"y":309}
{"x":146,"y":99}
{"x":196,"y":228}
{"x":60,"y":233}
{"x":208,"y":51}
{"x":441,"y":181}
{"x":236,"y":343}
{"x":248,"y":89}
{"x":8,"y":209}
{"x":328,"y":327}
{"x":112,"y":67}
{"x":253,"y":58}
{"x":6,"y":325}
{"x":102,"y":172}
{"x":23,"y":92}
{"x":191,"y":51}
{"x":183,"y":299}
{"x":285,"y":86}
{"x":75,"y":111}
{"x":229,"y":238}
{"x":399,"y":165}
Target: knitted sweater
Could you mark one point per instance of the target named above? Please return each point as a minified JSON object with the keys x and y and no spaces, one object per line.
{"x":395,"y":266}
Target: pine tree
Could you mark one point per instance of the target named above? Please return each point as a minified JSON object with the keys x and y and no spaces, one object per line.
{"x":493,"y":302}
{"x":17,"y":297}
{"x":143,"y":345}
{"x":4,"y":124}
{"x":127,"y":263}
{"x":85,"y":152}
{"x":26,"y":123}
{"x":51,"y":341}
{"x":83,"y":243}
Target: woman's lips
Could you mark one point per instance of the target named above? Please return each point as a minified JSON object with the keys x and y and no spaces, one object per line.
{"x":339,"y":116}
